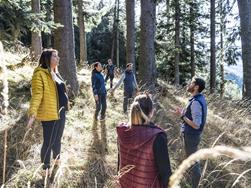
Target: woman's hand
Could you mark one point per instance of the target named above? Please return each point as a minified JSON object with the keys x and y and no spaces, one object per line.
{"x":30,"y":122}
{"x":96,"y":98}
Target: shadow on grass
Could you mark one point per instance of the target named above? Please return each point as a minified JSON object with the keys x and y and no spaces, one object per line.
{"x":96,"y":169}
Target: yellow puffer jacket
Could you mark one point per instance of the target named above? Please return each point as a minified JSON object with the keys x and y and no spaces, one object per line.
{"x":44,"y":100}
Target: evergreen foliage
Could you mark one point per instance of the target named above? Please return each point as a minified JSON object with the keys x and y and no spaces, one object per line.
{"x":17,"y":21}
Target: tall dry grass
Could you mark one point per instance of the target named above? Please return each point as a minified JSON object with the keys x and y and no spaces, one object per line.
{"x":82,"y":163}
{"x":5,"y":94}
{"x":228,"y":122}
{"x":211,"y":153}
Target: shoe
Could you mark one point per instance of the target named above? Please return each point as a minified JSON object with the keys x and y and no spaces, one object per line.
{"x":46,"y":173}
{"x":95,"y":118}
{"x":102,"y":119}
{"x":55,"y":168}
{"x":53,"y":173}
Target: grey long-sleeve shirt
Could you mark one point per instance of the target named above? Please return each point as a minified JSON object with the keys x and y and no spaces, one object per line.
{"x":122,"y":79}
{"x":196,"y":111}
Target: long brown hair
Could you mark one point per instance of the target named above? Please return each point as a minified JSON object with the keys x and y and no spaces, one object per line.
{"x":141,"y":108}
{"x":45,"y":58}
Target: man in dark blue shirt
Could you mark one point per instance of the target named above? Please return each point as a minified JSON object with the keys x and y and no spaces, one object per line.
{"x":110,"y":70}
{"x":194,"y":119}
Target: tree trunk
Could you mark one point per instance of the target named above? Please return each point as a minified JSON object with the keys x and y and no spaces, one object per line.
{"x":36,"y":41}
{"x":64,"y":43}
{"x":130,"y":32}
{"x":117,"y":35}
{"x":114,"y":31}
{"x":167,"y":13}
{"x":147,"y":67}
{"x":82,"y":39}
{"x":192,"y":54}
{"x":177,"y":44}
{"x":47,"y":36}
{"x":213,"y":56}
{"x":245,"y":18}
{"x":222,"y":33}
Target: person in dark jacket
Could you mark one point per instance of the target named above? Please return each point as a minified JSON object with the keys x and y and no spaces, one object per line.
{"x":130,"y":85}
{"x":143,"y":145}
{"x":194,"y":119}
{"x":99,"y":91}
{"x":110,"y":71}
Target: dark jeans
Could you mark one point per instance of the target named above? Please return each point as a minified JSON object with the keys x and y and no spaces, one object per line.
{"x":52,"y":134}
{"x":100,"y":106}
{"x":111,"y":79}
{"x":127,"y":96}
{"x":191,"y":146}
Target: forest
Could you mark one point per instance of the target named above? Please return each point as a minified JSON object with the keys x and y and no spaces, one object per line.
{"x":168,"y":43}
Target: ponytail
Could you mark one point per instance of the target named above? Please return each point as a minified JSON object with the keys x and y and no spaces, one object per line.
{"x":141,"y":109}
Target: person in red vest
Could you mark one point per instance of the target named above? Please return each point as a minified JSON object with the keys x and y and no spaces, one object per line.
{"x":143,"y":145}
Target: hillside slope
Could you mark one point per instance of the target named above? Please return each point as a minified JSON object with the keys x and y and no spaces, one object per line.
{"x":89,"y":150}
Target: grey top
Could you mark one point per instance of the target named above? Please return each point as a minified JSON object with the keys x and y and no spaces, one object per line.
{"x":196,"y":110}
{"x":122,"y":79}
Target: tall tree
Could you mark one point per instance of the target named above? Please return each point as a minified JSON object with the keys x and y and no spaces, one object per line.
{"x":147,"y":66}
{"x":117,"y":35}
{"x":212,"y":48}
{"x":167,"y":10}
{"x":177,"y":43}
{"x":130,"y":32}
{"x":114,"y":30}
{"x":48,"y":18}
{"x":82,"y":38}
{"x":192,"y":28}
{"x":245,"y":19}
{"x":36,"y":41}
{"x":64,"y":42}
{"x":222,"y":32}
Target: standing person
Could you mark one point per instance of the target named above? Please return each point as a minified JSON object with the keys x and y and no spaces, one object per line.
{"x":194,"y":118}
{"x":110,"y":70}
{"x":143,"y":145}
{"x":99,"y":91}
{"x":130,"y":85}
{"x":48,"y":104}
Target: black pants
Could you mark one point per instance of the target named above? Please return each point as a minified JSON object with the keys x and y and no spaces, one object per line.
{"x":111,"y":79}
{"x":100,"y":106}
{"x":52,"y":134}
{"x":127,"y":96}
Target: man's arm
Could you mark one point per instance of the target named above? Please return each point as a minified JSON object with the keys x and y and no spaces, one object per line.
{"x":135,"y":82}
{"x":120,"y":81}
{"x":196,"y":110}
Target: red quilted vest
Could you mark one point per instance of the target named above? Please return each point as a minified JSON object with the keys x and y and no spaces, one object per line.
{"x":136,"y":148}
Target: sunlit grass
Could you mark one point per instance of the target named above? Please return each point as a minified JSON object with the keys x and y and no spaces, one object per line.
{"x":84,"y":160}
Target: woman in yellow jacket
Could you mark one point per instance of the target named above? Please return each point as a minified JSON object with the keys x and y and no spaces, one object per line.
{"x":48,"y":105}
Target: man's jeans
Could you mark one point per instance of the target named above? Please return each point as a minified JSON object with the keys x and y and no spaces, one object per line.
{"x":191,"y":146}
{"x":127,"y":96}
{"x":111,"y":79}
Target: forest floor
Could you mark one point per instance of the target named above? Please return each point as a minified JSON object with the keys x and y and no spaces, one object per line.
{"x":89,"y":150}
